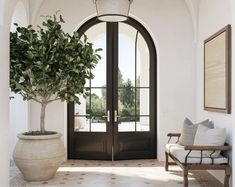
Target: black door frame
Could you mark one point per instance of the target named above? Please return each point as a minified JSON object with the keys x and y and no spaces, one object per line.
{"x":113,"y":27}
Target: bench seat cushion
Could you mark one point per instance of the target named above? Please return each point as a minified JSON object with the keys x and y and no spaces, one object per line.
{"x":194,"y":157}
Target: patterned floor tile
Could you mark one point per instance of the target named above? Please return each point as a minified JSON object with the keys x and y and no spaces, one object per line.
{"x":132,"y":173}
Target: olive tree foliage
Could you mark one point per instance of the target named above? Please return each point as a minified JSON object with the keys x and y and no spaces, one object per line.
{"x":48,"y":64}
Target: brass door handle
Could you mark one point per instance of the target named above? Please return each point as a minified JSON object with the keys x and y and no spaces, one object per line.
{"x":116,"y":116}
{"x":108,"y":116}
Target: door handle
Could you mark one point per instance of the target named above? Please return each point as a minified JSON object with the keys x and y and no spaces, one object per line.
{"x":108,"y":116}
{"x":116,"y":116}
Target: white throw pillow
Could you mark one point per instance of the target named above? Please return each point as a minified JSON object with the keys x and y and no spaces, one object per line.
{"x":189,"y":130}
{"x":210,"y":137}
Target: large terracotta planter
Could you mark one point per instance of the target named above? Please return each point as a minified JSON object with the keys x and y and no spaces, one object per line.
{"x":38,"y":157}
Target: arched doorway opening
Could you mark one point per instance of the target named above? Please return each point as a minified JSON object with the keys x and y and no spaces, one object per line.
{"x":118,"y":119}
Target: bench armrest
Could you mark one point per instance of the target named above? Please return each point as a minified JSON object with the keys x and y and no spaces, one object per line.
{"x":170,"y":135}
{"x":173,"y":134}
{"x":207,"y":148}
{"x":213,"y":149}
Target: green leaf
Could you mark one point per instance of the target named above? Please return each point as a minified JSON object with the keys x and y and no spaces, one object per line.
{"x":49,"y":61}
{"x":61,"y":19}
{"x":30,"y":54}
{"x":99,"y":49}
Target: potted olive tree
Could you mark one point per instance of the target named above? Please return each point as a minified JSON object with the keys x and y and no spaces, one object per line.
{"x":46,"y":65}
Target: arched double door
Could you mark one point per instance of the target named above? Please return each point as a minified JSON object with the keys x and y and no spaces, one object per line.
{"x":118,"y":119}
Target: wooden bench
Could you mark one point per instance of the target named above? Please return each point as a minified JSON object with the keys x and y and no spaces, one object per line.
{"x":188,"y":163}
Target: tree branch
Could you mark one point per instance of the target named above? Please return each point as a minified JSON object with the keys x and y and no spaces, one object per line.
{"x":57,"y":98}
{"x":34,"y":99}
{"x":31,"y":97}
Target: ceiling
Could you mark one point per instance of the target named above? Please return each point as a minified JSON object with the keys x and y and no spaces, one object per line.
{"x":193,"y":7}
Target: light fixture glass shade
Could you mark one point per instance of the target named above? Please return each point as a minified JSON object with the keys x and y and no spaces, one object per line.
{"x":112,"y":10}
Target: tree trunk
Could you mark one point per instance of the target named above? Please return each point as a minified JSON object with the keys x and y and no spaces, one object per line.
{"x":42,"y":117}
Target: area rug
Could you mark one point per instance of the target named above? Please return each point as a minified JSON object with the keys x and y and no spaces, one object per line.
{"x":131,"y":173}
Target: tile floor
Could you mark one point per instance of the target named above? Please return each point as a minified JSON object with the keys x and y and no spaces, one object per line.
{"x":132,"y":173}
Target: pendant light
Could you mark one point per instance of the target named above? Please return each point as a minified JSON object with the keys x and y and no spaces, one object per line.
{"x":112,"y":10}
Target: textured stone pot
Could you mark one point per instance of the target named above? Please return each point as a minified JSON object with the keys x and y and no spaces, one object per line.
{"x":39,"y":157}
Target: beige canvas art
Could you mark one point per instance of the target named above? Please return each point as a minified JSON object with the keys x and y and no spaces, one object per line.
{"x":216,"y":72}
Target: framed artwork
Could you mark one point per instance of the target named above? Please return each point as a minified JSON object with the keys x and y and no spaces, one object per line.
{"x":217,"y":71}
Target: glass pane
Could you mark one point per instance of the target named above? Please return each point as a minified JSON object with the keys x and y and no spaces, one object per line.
{"x":142,"y":77}
{"x":82,"y":124}
{"x":87,"y":85}
{"x":126,"y":101}
{"x":83,"y":108}
{"x":142,"y":124}
{"x":126,"y":54}
{"x":98,"y":102}
{"x":100,"y":70}
{"x":97,"y":36}
{"x":126,"y":124}
{"x":142,"y":101}
{"x":98,"y":124}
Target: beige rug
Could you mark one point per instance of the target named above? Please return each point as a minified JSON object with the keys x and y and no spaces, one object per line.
{"x":132,"y":173}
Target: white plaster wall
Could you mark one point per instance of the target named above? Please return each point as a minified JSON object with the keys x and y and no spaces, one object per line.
{"x":232,"y":6}
{"x":18,"y":119}
{"x":18,"y":107}
{"x":193,"y":6}
{"x":2,"y":11}
{"x":4,"y":109}
{"x":5,"y":20}
{"x":34,"y":7}
{"x":170,"y":25}
{"x":213,"y":15}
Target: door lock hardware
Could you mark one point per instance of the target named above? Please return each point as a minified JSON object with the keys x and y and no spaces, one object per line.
{"x":108,"y":116}
{"x":116,"y":116}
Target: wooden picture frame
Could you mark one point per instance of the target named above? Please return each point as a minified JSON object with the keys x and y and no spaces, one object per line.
{"x":217,"y":71}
